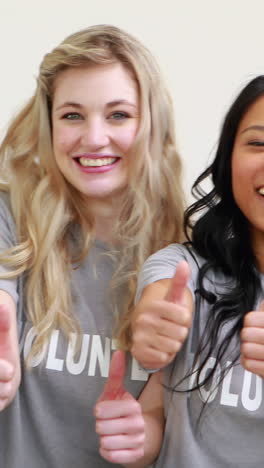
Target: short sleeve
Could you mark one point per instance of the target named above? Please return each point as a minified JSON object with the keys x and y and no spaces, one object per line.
{"x":7,"y":240}
{"x":162,"y":265}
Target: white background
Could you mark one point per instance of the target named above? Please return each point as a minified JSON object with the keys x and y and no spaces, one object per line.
{"x":207,"y":49}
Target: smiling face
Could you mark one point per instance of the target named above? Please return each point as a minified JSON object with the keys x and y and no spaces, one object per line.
{"x":248,"y":170}
{"x":94,"y":121}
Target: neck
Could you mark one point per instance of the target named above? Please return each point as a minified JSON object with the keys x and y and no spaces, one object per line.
{"x":105,"y":215}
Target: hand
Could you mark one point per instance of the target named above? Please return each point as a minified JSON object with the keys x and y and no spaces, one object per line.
{"x":252,"y":337}
{"x":161,"y":326}
{"x":119,"y":420}
{"x":9,"y":360}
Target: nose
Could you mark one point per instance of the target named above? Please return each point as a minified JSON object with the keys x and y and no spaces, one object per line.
{"x":95,"y":134}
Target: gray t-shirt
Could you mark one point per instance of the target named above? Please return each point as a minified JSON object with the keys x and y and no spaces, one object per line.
{"x":50,"y":424}
{"x":230,"y":431}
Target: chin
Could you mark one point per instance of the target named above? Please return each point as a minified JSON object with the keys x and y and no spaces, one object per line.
{"x":102,"y":195}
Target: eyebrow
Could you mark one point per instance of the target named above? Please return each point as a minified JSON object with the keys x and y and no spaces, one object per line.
{"x":120,"y":101}
{"x":109,"y":104}
{"x":69,"y":104}
{"x":254,"y":127}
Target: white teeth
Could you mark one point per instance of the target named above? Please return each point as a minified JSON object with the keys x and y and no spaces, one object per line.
{"x":261,"y":190}
{"x":86,"y":162}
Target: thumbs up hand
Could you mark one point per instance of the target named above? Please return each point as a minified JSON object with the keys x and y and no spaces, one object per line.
{"x":9,"y":357}
{"x":119,"y":420}
{"x":161,"y":326}
{"x":252,"y":338}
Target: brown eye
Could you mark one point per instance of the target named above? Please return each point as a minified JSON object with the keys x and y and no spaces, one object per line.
{"x":256,"y":143}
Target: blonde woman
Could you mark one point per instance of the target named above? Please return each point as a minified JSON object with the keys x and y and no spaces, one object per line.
{"x":90,"y":187}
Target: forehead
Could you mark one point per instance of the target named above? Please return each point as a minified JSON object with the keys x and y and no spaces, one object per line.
{"x":254,"y":115}
{"x":103,"y":82}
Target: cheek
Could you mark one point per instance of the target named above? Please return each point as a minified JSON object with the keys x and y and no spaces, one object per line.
{"x":245,"y":172}
{"x":63,"y":139}
{"x":245,"y":168}
{"x":126,"y":138}
{"x":242,"y":168}
{"x":239,"y":173}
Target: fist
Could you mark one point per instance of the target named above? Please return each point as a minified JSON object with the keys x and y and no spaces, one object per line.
{"x":161,"y":326}
{"x":9,"y":359}
{"x":119,"y":419}
{"x":252,"y":341}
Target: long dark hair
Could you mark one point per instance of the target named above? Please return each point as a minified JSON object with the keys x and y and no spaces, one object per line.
{"x":221,"y":236}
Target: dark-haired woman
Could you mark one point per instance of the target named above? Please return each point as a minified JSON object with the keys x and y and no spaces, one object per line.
{"x":213,"y":387}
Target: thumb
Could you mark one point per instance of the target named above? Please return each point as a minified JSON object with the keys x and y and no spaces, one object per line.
{"x":261,"y":306}
{"x":5,"y":338}
{"x":127,"y":396}
{"x":178,"y":283}
{"x":113,"y":389}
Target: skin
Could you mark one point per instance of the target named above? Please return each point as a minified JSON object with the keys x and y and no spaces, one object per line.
{"x":161,"y":326}
{"x":247,"y":179}
{"x":131,"y":431}
{"x":248,"y":174}
{"x":10,"y":372}
{"x":94,"y":122}
{"x":88,"y":122}
{"x":162,"y":319}
{"x":163,"y":315}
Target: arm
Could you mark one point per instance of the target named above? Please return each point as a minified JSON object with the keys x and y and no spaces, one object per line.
{"x":10,"y":372}
{"x":162,"y":319}
{"x":151,"y":403}
{"x":130,"y":431}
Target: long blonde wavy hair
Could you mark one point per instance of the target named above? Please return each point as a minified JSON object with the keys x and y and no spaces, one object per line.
{"x":45,"y":206}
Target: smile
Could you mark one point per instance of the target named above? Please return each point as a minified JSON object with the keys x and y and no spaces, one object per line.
{"x":98,"y":162}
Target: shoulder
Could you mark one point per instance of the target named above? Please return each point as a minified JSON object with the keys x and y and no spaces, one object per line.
{"x":171,"y":255}
{"x":5,"y":200}
{"x":162,"y":265}
{"x":5,"y":205}
{"x":7,"y":222}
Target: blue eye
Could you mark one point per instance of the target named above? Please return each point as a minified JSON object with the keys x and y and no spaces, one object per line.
{"x":72,"y":116}
{"x":119,"y":115}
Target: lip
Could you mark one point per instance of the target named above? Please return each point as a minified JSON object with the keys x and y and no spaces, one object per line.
{"x":97,"y":169}
{"x":95,"y":155}
{"x":258,"y":191}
